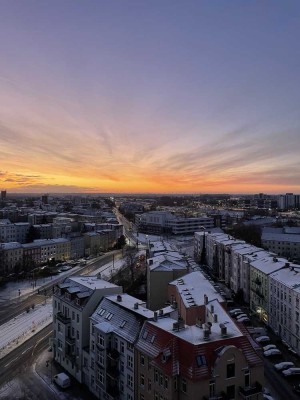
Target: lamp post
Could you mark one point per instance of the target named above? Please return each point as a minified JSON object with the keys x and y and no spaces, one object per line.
{"x":49,"y":362}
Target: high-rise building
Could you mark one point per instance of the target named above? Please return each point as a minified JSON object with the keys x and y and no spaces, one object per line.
{"x":3,"y":195}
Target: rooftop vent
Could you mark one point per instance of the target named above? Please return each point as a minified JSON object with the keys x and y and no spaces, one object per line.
{"x":212,"y":308}
{"x":161,"y":312}
{"x":155,"y":316}
{"x":136,"y":306}
{"x":205,"y":299}
{"x":119,"y":298}
{"x":223,"y":330}
{"x":215,"y":318}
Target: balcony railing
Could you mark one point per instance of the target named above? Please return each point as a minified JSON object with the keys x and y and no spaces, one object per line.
{"x":251,"y":390}
{"x":112,"y":391}
{"x":113,"y":372}
{"x":113,"y":354}
{"x":62,"y":318}
{"x":70,"y":340}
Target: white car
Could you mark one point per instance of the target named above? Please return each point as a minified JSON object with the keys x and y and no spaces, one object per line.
{"x":244,"y":320}
{"x":291,"y":372}
{"x":262,"y":339}
{"x":241,"y":316}
{"x":272,"y":353}
{"x":284,"y":365}
{"x":269,"y":347}
{"x":236,"y":310}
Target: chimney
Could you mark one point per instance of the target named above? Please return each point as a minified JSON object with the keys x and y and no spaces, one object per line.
{"x":215,"y":317}
{"x":212,"y":308}
{"x":161,"y":312}
{"x":119,"y":298}
{"x":223,"y":330}
{"x":136,"y":306}
{"x":205,"y":299}
{"x":155,"y":316}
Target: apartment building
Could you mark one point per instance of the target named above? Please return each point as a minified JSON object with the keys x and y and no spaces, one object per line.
{"x":11,"y":256}
{"x":13,"y":232}
{"x":284,"y":304}
{"x":74,"y":301}
{"x":162,"y":269}
{"x":189,"y":294}
{"x":285,"y":242}
{"x":211,"y":358}
{"x":241,"y":257}
{"x":157,"y":222}
{"x":259,"y":284}
{"x":115,"y":327}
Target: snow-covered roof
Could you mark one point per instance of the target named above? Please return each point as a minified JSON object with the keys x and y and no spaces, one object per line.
{"x":192,"y":288}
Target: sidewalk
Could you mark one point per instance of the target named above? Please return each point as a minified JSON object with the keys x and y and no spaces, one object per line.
{"x":22,"y":327}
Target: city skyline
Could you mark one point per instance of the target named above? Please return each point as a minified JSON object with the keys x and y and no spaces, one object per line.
{"x":149,"y":97}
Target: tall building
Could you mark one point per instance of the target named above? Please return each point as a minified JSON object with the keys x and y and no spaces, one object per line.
{"x":3,"y":195}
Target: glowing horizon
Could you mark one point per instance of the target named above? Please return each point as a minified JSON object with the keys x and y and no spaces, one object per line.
{"x":94,"y":107}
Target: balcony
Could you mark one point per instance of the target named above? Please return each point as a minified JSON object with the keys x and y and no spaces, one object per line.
{"x":112,"y":354}
{"x":62,"y":318}
{"x":251,"y":390}
{"x":257,"y":281}
{"x":112,"y":391}
{"x":112,"y":372}
{"x":70,"y":340}
{"x":70,"y":357}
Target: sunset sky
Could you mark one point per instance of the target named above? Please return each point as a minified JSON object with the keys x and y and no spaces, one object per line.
{"x":150,"y":96}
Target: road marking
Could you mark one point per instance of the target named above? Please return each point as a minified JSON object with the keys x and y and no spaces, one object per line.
{"x":10,"y":362}
{"x":27,"y":349}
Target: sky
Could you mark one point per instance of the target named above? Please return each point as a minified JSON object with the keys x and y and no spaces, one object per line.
{"x":149,"y":96}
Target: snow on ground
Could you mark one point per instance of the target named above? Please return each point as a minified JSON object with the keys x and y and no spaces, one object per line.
{"x":10,"y":290}
{"x":22,"y":327}
{"x":109,"y":269}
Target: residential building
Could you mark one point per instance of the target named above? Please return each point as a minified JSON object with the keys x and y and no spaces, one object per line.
{"x":11,"y":257}
{"x":115,"y":327}
{"x":212,"y":358}
{"x":162,"y":269}
{"x":74,"y":301}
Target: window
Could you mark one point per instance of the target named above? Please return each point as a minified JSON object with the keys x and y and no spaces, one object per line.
{"x":129,"y":361}
{"x":201,"y":360}
{"x":100,"y":358}
{"x":183,"y":385}
{"x":122,"y":366}
{"x":230,"y":370}
{"x":100,"y":376}
{"x":100,"y":340}
{"x":116,"y":343}
{"x":130,"y":381}
{"x":212,"y":388}
{"x":149,"y":385}
{"x":122,"y":348}
{"x":77,"y":316}
{"x":142,"y":380}
{"x":247,"y":378}
{"x":93,"y":345}
{"x":77,"y":335}
{"x":58,"y":327}
{"x":166,"y":382}
{"x":142,"y":359}
{"x":231,"y":392}
{"x":161,"y":379}
{"x":156,"y":375}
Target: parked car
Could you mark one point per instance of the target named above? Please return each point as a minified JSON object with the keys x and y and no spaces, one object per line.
{"x":239,"y":316}
{"x":231,"y":312}
{"x":284,"y":365}
{"x":244,"y":320}
{"x":65,"y":268}
{"x":269,"y":347}
{"x":296,"y":388}
{"x":62,"y":380}
{"x":272,"y":353}
{"x":268,"y":397}
{"x":291,"y":372}
{"x":262,"y":339}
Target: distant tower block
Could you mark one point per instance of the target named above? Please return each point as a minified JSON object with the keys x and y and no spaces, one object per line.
{"x":3,"y":194}
{"x":45,"y":198}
